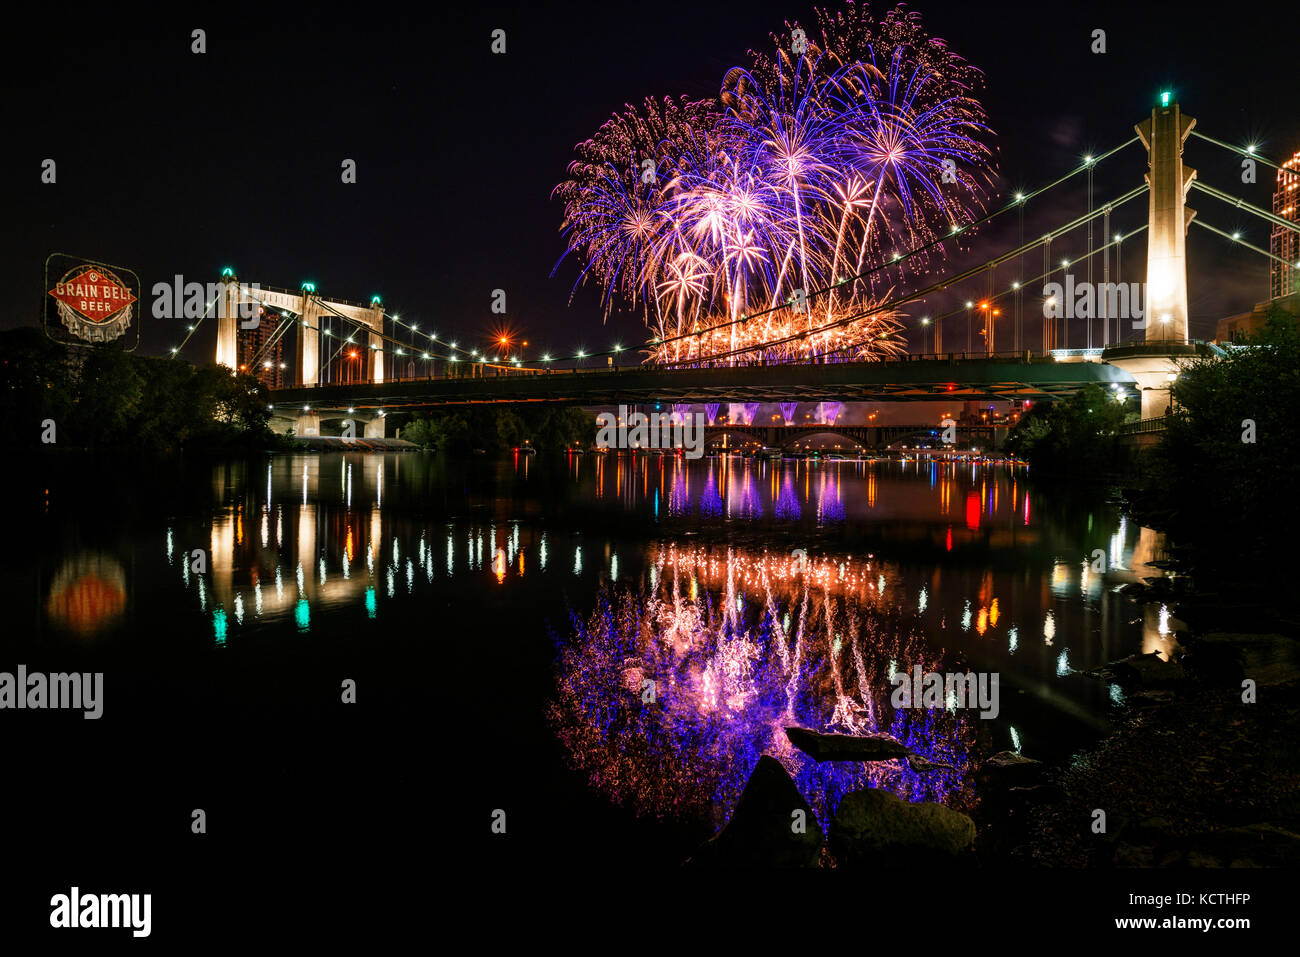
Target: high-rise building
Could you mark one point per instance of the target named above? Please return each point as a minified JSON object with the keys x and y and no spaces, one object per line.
{"x":255,"y":356}
{"x":1284,"y":278}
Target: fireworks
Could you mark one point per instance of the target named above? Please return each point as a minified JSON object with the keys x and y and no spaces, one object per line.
{"x":742,"y":226}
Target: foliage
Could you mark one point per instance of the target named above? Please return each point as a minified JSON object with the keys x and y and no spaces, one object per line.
{"x":105,"y":398}
{"x":1217,"y":492}
{"x":1077,"y":436}
{"x":547,"y":428}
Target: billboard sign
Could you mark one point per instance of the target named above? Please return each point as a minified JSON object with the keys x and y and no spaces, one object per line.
{"x":91,"y":302}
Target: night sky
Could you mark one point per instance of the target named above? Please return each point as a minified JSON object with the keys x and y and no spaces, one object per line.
{"x":170,"y":162}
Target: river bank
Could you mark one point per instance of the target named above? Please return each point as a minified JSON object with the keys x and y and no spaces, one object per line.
{"x":1204,"y":770}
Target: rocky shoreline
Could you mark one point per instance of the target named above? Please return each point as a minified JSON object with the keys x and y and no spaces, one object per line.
{"x":1203,"y":771}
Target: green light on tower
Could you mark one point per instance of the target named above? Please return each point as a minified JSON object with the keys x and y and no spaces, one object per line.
{"x":227,"y":273}
{"x":1165,"y":97}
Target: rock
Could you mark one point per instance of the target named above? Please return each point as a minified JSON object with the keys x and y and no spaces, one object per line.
{"x":1150,"y":699}
{"x":1162,"y":586}
{"x":1008,"y":769}
{"x":919,"y":763}
{"x":1135,"y":590}
{"x":1254,"y":845}
{"x":846,"y":747}
{"x":1130,"y":855}
{"x":1144,"y":671}
{"x":761,"y":832}
{"x":874,"y":828}
{"x":1152,"y":830}
{"x":1265,"y":659}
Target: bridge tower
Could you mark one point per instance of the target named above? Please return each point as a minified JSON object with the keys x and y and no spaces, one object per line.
{"x":227,"y":316}
{"x":1163,"y":133}
{"x":1152,"y":361}
{"x":307,"y":369}
{"x":309,"y":310}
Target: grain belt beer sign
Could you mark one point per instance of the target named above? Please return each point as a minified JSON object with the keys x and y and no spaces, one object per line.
{"x":91,"y":302}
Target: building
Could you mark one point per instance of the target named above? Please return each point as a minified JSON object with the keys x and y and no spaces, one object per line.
{"x":1238,"y":327}
{"x":255,"y":356}
{"x":1284,"y":278}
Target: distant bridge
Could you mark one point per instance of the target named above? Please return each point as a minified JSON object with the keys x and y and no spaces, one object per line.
{"x":787,"y":437}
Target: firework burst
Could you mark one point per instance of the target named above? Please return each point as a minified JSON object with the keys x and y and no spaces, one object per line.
{"x":766,"y":225}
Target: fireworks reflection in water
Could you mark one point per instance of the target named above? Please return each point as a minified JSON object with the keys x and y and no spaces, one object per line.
{"x":669,"y":694}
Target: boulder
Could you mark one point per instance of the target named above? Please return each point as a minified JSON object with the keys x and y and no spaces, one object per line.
{"x":875,"y":828}
{"x":920,"y":764}
{"x":846,"y":747}
{"x":1008,"y":769}
{"x":1139,"y":671}
{"x":762,"y":831}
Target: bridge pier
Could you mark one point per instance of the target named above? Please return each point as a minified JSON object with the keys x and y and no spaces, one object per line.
{"x":308,"y":425}
{"x":375,"y":428}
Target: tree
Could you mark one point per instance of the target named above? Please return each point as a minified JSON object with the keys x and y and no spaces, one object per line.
{"x":1228,"y":460}
{"x":1076,"y":436}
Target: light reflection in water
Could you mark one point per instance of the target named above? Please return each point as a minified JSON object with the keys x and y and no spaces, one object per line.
{"x":757,"y":640}
{"x":729,"y":673}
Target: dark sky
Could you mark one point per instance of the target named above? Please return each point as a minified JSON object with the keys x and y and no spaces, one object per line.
{"x":170,"y":162}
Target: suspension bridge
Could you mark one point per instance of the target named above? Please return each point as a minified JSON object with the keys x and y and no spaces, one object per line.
{"x":351,"y":359}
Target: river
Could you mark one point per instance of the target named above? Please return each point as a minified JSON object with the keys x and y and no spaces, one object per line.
{"x":599,"y":646}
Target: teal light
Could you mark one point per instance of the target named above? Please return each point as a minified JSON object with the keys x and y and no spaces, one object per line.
{"x":370,"y":602}
{"x":219,"y":625}
{"x":376,"y":301}
{"x":302,"y":615}
{"x":1164,"y":98}
{"x":309,"y":287}
{"x":227,"y":272}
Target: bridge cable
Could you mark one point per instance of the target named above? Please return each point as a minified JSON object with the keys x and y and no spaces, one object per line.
{"x":1247,"y":152}
{"x":926,"y":247}
{"x":1242,"y":242}
{"x":935,"y":287}
{"x":1242,"y":204}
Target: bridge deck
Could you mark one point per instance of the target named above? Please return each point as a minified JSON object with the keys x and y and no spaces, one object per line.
{"x":917,"y":379}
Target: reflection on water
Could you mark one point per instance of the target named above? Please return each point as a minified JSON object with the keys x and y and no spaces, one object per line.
{"x":753,"y":594}
{"x":668,"y":697}
{"x":87,"y":594}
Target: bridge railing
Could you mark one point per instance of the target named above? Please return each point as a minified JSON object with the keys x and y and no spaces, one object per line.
{"x":1156,"y":423}
{"x":443,"y":369}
